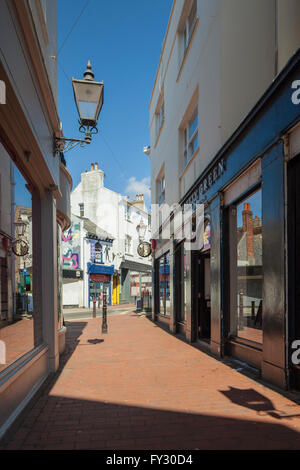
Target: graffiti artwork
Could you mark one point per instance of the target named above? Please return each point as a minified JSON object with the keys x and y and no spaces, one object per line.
{"x":71,"y":246}
{"x":70,"y":260}
{"x":67,"y":236}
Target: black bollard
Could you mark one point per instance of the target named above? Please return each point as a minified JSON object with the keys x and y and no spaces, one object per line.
{"x":94,"y":308}
{"x":104,"y":312}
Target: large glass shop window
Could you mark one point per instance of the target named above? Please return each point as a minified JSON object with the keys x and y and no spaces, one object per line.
{"x":247,"y":261}
{"x":17,"y":313}
{"x":164,"y":285}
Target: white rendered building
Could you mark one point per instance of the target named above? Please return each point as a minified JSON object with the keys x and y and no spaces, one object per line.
{"x":118,"y":226}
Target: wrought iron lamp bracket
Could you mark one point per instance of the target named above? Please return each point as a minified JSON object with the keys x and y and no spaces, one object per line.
{"x":63,"y":144}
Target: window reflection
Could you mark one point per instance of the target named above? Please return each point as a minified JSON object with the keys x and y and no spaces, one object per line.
{"x":164,"y":285}
{"x":249,"y":274}
{"x":16,"y":264}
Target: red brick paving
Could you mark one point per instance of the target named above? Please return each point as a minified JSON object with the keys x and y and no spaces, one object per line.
{"x":139,"y":387}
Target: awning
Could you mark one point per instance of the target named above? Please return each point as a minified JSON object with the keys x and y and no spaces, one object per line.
{"x":100,"y":269}
{"x":134,"y":266}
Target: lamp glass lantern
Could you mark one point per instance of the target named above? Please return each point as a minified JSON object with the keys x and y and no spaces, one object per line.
{"x":141,"y":229}
{"x":88,"y":96}
{"x":20,"y":227}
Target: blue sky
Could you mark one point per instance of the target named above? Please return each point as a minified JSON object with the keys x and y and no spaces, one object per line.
{"x":123,"y":40}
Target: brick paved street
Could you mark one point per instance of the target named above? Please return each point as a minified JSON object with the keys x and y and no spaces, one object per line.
{"x":139,"y":387}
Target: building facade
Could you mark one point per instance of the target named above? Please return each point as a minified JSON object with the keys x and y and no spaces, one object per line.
{"x":228,"y":143}
{"x":118,"y":226}
{"x":87,"y":265}
{"x":34,"y":203}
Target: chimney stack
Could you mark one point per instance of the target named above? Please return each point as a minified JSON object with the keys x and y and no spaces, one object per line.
{"x":139,"y":201}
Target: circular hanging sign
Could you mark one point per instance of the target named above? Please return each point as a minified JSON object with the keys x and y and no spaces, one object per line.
{"x":20,"y":247}
{"x":144,"y":249}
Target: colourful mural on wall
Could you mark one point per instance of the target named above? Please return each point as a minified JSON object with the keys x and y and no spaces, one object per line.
{"x":70,"y":246}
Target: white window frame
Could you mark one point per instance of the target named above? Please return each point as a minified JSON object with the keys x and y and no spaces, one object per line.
{"x":127,"y":213}
{"x":187,"y":139}
{"x":128,"y":244}
{"x":81,"y":209}
{"x":188,"y":29}
{"x":161,"y":190}
{"x":160,"y":117}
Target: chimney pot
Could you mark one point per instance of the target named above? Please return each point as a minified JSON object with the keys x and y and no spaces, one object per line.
{"x":92,"y":166}
{"x":96,"y":166}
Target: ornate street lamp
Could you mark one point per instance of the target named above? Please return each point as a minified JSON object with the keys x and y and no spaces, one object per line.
{"x":20,"y":227}
{"x":89,"y":97}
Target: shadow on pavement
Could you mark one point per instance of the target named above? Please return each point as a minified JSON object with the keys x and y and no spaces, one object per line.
{"x":73,"y":422}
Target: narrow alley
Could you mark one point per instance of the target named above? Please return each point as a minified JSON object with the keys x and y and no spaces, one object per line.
{"x":124,"y":390}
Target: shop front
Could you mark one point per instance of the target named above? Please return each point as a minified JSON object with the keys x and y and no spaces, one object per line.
{"x":239,"y":295}
{"x":100,"y":281}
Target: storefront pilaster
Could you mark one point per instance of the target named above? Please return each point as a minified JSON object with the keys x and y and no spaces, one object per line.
{"x":274,"y":366}
{"x":49,"y":277}
{"x":216,"y":308}
{"x":188,"y":301}
{"x":172,"y":324}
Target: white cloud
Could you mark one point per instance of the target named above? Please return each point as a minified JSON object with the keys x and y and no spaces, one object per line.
{"x":135,"y":187}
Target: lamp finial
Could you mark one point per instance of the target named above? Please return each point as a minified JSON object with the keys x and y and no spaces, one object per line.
{"x":89,"y":74}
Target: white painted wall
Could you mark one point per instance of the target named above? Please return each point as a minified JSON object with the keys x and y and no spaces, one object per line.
{"x":231,"y":61}
{"x":106,"y":209}
{"x":20,"y":73}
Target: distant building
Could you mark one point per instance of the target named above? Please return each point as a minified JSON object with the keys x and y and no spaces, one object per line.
{"x":110,"y":227}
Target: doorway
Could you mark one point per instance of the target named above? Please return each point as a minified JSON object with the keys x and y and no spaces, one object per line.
{"x":294,"y":260}
{"x":203,"y":296}
{"x":96,"y":289}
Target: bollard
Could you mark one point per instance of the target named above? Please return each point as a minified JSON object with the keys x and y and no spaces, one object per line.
{"x":94,"y":308}
{"x":104,"y":312}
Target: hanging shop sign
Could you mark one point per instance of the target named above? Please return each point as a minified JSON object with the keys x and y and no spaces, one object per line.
{"x":207,"y":182}
{"x":144,"y":249}
{"x":20,"y":247}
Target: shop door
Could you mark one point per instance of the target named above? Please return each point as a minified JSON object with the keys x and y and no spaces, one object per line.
{"x":96,"y":289}
{"x":203,"y":300}
{"x":294,"y":259}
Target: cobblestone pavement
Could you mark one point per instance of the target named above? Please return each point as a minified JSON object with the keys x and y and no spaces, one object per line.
{"x":139,"y":387}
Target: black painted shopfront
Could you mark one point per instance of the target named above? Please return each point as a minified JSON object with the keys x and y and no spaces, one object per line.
{"x":240,"y":295}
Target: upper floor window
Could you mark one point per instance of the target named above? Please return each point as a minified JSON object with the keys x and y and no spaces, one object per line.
{"x":127,"y":212}
{"x":189,"y":28}
{"x":128,"y":244}
{"x":81,"y":209}
{"x":190,"y":138}
{"x":160,"y":116}
{"x":161,"y":190}
{"x":98,"y":253}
